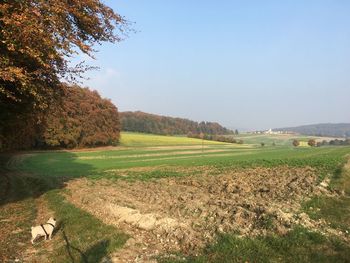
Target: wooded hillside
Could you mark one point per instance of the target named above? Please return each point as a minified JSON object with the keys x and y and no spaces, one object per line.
{"x":151,"y":123}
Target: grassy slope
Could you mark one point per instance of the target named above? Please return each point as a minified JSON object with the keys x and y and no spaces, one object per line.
{"x":51,"y":167}
{"x":278,"y":139}
{"x":77,"y":164}
{"x":131,"y":139}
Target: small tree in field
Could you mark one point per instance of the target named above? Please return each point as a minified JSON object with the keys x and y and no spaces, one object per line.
{"x":311,"y":142}
{"x":296,"y":143}
{"x":262,"y":144}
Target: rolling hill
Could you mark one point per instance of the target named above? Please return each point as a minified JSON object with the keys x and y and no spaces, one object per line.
{"x":322,"y":129}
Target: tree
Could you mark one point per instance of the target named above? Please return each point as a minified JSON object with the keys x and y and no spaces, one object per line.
{"x":296,"y":143}
{"x":83,"y":120}
{"x":311,"y":142}
{"x":262,"y":144}
{"x":236,"y":132}
{"x":189,"y":134}
{"x":37,"y":40}
{"x":38,"y":37}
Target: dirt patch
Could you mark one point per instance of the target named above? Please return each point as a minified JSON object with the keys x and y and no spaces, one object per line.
{"x":184,"y":214}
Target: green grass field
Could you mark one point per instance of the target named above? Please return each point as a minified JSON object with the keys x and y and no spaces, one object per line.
{"x":44,"y":174}
{"x":130,"y":139}
{"x":278,"y":139}
{"x":85,"y":163}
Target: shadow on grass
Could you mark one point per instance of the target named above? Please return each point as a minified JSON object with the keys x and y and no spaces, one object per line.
{"x":39,"y":176}
{"x":94,"y":254}
{"x":83,"y":237}
{"x":97,"y":252}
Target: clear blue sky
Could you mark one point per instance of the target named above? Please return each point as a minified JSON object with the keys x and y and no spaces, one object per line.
{"x":246,"y":64}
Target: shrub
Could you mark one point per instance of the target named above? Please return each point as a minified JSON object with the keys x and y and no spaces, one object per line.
{"x":311,"y":142}
{"x":296,"y":143}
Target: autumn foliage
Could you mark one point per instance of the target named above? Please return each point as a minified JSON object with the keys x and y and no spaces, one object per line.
{"x":295,"y":143}
{"x":151,"y":123}
{"x":83,"y":119}
{"x":311,"y":142}
{"x":38,"y":38}
{"x":80,"y":119}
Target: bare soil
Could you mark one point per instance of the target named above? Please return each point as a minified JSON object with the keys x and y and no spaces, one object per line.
{"x":184,"y":214}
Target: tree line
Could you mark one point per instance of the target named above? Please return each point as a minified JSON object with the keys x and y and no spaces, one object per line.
{"x":151,"y":123}
{"x":313,"y":142}
{"x":335,"y":142}
{"x":81,"y":118}
{"x":218,"y":138}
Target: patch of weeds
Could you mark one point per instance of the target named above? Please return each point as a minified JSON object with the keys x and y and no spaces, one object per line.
{"x":136,"y":175}
{"x":17,"y":212}
{"x":299,"y":245}
{"x":341,"y":180}
{"x":267,"y":221}
{"x":335,"y":211}
{"x":159,"y":174}
{"x":15,"y":222}
{"x":85,"y":238}
{"x":66,"y":191}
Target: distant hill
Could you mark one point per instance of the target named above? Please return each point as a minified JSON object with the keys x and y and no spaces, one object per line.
{"x":139,"y":121}
{"x":322,"y":129}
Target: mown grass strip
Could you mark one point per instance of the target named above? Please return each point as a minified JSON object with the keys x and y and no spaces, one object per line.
{"x":85,"y":238}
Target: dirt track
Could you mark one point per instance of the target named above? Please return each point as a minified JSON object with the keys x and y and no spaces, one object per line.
{"x":184,"y":214}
